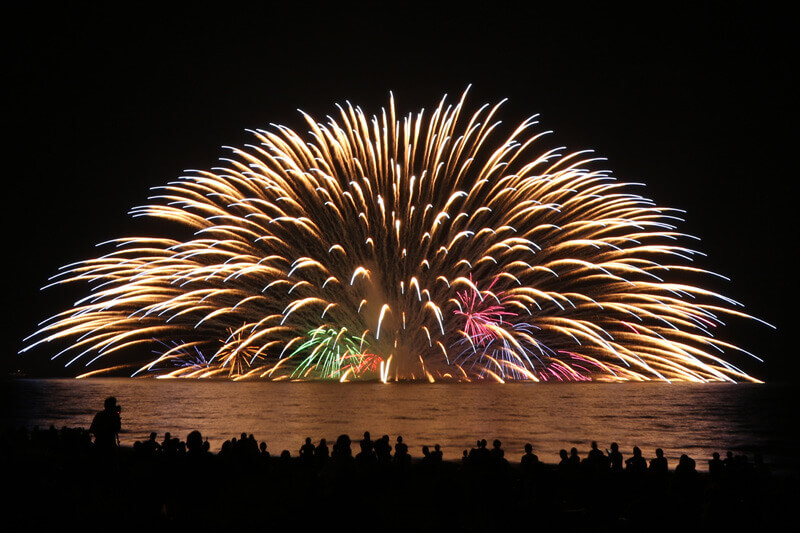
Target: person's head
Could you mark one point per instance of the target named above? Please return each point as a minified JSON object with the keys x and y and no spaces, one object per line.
{"x":659,"y":453}
{"x":715,"y":455}
{"x":562,"y":453}
{"x":496,"y":443}
{"x":636,"y":451}
{"x":614,"y":446}
{"x":194,"y":441}
{"x":594,"y":444}
{"x":528,"y":448}
{"x":111,"y":404}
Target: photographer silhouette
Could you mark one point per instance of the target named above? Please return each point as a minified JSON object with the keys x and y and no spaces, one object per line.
{"x":106,"y":426}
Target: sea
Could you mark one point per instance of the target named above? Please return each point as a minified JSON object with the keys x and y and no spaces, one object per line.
{"x":695,"y":419}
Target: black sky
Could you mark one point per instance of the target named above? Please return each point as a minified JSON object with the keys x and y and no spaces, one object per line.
{"x":102,"y":103}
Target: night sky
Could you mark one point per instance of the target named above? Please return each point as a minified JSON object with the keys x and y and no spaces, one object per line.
{"x":103,"y":103}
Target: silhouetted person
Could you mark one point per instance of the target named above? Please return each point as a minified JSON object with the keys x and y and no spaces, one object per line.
{"x":528,"y":456}
{"x":568,"y":472}
{"x":658,"y":465}
{"x":241,"y":446}
{"x":636,"y":464}
{"x":194,"y":442}
{"x":615,"y":458}
{"x":483,"y":450}
{"x":657,"y":472}
{"x":472,"y":456}
{"x":401,"y":456}
{"x":321,"y":453}
{"x":106,"y":426}
{"x":264,"y":461}
{"x":341,"y":449}
{"x":151,"y":447}
{"x":366,"y":458}
{"x":284,"y":467}
{"x":574,"y":458}
{"x":197,"y":449}
{"x":529,"y":464}
{"x":425,"y":462}
{"x":686,"y":467}
{"x":480,"y":455}
{"x":252,"y":446}
{"x":366,"y":443}
{"x":596,"y":457}
{"x":497,"y":451}
{"x":715,"y":466}
{"x":262,"y":451}
{"x":729,"y":462}
{"x":383,"y":449}
{"x":564,"y":464}
{"x":170,"y":446}
{"x":436,"y":454}
{"x":431,"y":460}
{"x":342,"y":457}
{"x":498,"y":456}
{"x":596,"y":461}
{"x":307,"y":452}
{"x":687,"y":485}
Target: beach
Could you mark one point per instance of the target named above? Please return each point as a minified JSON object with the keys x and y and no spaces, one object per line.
{"x":60,"y":478}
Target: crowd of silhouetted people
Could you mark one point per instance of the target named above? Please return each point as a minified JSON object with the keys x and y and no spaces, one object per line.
{"x":168,"y":479}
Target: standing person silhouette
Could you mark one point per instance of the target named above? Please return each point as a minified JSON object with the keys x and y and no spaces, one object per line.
{"x":106,"y":426}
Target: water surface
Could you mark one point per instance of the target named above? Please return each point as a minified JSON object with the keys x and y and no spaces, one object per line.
{"x":680,"y":418}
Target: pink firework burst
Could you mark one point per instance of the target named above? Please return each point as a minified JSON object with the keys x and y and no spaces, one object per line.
{"x":483,"y":312}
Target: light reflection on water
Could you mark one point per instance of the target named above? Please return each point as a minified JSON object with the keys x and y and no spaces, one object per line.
{"x":680,"y":418}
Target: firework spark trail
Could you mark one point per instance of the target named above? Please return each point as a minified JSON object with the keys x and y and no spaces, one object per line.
{"x":418,"y":248}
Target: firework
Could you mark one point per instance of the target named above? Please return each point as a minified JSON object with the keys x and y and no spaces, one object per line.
{"x":424,"y":247}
